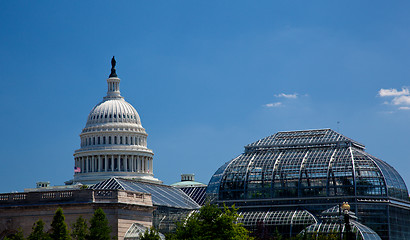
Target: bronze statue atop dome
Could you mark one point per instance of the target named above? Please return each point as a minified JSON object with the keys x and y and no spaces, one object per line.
{"x":113,"y":63}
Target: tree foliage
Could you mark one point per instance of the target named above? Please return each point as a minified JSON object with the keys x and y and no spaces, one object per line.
{"x":211,"y":223}
{"x":59,"y":230}
{"x":150,"y":234}
{"x":38,"y":231}
{"x":99,"y":228}
{"x":17,"y":236}
{"x":79,"y":229}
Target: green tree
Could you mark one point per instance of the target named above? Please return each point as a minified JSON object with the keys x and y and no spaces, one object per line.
{"x":99,"y":228}
{"x":79,"y":229}
{"x":38,"y":231}
{"x":59,"y":230}
{"x":17,"y":236}
{"x":211,"y":223}
{"x":150,"y":234}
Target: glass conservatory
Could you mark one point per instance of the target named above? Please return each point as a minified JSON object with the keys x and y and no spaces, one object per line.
{"x":315,"y":170}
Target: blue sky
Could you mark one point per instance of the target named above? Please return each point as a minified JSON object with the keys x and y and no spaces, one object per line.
{"x":207,"y":78}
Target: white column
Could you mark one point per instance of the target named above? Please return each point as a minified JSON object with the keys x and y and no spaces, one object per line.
{"x":125,"y":163}
{"x":112,"y":163}
{"x":106,"y":163}
{"x":99,"y":164}
{"x":86,"y":164}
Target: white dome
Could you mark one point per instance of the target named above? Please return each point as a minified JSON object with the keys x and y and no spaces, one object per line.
{"x":113,"y":111}
{"x":113,"y":142}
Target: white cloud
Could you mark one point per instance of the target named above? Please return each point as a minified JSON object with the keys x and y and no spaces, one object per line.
{"x":401,"y":100}
{"x":398,"y":98}
{"x":275,"y":104}
{"x":392,"y":92}
{"x":284,"y":95}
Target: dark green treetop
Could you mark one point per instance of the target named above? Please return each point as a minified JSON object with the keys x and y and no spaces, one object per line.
{"x":59,"y":230}
{"x":38,"y":232}
{"x":79,"y":229}
{"x":17,"y":236}
{"x":99,"y":228}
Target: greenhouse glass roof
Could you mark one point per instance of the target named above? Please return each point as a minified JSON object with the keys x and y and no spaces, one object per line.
{"x":162,"y":195}
{"x":277,"y":218}
{"x":313,"y":163}
{"x":361,"y":231}
{"x":136,"y":230}
{"x":304,"y":138}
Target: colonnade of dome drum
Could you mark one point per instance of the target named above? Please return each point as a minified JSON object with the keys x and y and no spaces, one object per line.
{"x":114,"y":163}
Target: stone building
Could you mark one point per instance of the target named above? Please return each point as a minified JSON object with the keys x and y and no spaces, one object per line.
{"x":123,"y":209}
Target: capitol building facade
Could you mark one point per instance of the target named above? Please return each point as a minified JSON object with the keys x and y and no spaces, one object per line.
{"x":113,"y":142}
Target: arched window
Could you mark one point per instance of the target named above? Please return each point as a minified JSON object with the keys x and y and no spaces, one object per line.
{"x":93,"y":140}
{"x":115,"y":139}
{"x":109,"y":140}
{"x":104,"y":140}
{"x":126,"y":140}
{"x":120,"y":140}
{"x":131,"y":138}
{"x":98,"y":141}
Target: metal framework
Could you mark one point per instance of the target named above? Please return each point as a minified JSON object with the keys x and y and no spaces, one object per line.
{"x":172,"y":204}
{"x":313,"y":170}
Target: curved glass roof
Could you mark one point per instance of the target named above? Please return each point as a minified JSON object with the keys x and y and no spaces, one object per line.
{"x":360,"y":231}
{"x":297,"y":164}
{"x":277,"y":218}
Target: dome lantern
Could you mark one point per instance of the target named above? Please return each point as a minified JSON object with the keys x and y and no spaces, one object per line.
{"x":113,"y":83}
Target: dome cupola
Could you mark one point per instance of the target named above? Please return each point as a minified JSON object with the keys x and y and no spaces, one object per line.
{"x":113,"y":142}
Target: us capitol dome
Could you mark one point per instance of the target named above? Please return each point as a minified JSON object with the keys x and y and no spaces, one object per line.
{"x":113,"y":142}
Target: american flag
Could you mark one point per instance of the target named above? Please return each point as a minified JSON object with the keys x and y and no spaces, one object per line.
{"x":77,"y":169}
